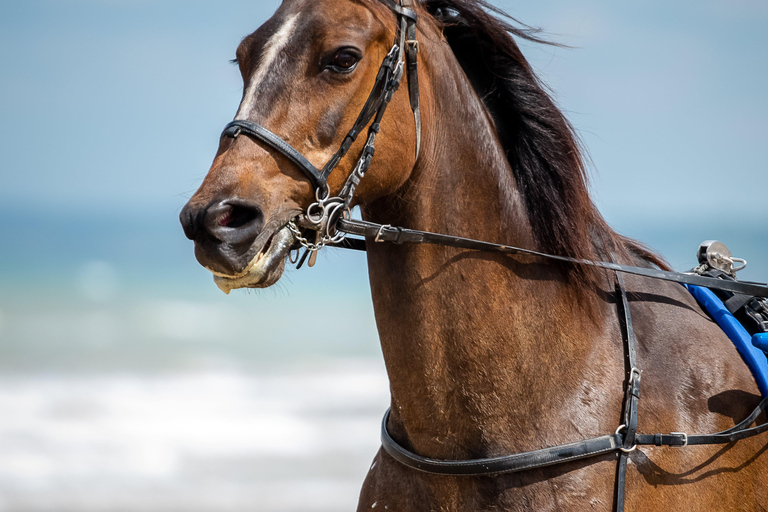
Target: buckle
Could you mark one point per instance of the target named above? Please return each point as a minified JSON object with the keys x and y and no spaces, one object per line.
{"x":413,"y":44}
{"x":381,"y":232}
{"x":685,"y":439}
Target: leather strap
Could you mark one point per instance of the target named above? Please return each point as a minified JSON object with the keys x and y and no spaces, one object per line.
{"x":632,"y":393}
{"x":373,"y":105}
{"x":733,"y":434}
{"x":499,"y":465}
{"x":398,"y":235}
{"x":412,"y":64}
{"x":255,"y":130}
{"x":402,"y":10}
{"x":387,"y":82}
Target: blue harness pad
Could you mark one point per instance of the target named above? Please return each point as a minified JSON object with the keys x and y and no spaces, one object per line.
{"x":761,"y":341}
{"x":750,"y":348}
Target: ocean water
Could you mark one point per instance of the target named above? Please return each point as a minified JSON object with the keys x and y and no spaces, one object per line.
{"x":129,"y":382}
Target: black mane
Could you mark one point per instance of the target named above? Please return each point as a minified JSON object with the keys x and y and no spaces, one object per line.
{"x":541,"y":145}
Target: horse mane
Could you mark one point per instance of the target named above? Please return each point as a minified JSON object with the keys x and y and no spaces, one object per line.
{"x":541,"y":145}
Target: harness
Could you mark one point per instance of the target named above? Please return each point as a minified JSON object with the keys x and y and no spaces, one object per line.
{"x":329,"y":218}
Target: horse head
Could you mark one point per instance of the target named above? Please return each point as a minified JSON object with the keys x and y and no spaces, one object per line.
{"x":307,"y":74}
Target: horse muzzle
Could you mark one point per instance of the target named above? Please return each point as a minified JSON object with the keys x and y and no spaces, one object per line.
{"x":233,"y":241}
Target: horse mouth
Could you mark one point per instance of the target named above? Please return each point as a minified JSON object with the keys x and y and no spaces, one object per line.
{"x":265,"y":268}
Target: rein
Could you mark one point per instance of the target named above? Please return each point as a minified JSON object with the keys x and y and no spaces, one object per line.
{"x":329,"y":218}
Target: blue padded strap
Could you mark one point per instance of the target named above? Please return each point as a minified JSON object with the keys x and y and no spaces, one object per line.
{"x":753,"y":357}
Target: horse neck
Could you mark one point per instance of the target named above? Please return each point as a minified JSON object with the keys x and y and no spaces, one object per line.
{"x":477,"y":345}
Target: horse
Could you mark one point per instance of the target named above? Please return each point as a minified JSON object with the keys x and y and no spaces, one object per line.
{"x":487,"y":353}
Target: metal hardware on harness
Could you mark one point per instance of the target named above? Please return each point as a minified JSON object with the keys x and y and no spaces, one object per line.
{"x":713,"y":254}
{"x":757,"y":309}
{"x":625,"y":450}
{"x":378,"y":238}
{"x":322,"y":226}
{"x":683,"y":435}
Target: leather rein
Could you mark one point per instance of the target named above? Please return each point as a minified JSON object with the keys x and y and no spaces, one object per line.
{"x":329,"y":218}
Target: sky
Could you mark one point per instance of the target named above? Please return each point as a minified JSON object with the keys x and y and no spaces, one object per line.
{"x":117,"y":105}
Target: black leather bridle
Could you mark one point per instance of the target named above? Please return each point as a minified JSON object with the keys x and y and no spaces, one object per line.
{"x":323,"y":215}
{"x":329,"y":218}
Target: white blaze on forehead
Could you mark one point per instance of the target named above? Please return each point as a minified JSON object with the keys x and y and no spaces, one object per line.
{"x":272,"y":49}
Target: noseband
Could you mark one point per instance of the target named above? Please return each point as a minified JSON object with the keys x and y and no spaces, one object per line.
{"x":329,"y":218}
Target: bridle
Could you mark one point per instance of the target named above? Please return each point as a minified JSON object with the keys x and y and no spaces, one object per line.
{"x":329,"y":218}
{"x":322,"y":215}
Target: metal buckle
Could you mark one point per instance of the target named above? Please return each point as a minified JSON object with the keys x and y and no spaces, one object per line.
{"x":625,"y":450}
{"x":381,"y":232}
{"x":685,"y":438}
{"x":413,"y":43}
{"x":634,"y":373}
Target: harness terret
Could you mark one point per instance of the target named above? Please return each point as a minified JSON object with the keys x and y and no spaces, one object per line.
{"x":329,"y":218}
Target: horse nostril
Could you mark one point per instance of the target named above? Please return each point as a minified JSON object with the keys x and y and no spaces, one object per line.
{"x":233,"y":222}
{"x":190,"y":221}
{"x":238,"y":216}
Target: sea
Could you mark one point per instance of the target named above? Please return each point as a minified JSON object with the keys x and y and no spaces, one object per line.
{"x":129,"y":382}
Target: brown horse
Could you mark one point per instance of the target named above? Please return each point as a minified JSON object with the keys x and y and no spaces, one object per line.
{"x":487,"y":354}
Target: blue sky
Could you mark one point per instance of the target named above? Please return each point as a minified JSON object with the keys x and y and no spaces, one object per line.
{"x":114,"y":107}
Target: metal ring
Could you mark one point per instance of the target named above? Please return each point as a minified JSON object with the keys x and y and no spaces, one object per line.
{"x":739,"y":260}
{"x":625,"y":450}
{"x":316,"y":217}
{"x":322,"y":190}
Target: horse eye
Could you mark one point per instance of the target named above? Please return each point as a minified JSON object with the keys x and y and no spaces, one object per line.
{"x":344,"y":61}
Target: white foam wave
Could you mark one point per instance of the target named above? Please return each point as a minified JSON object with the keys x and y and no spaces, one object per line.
{"x":289,"y":440}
